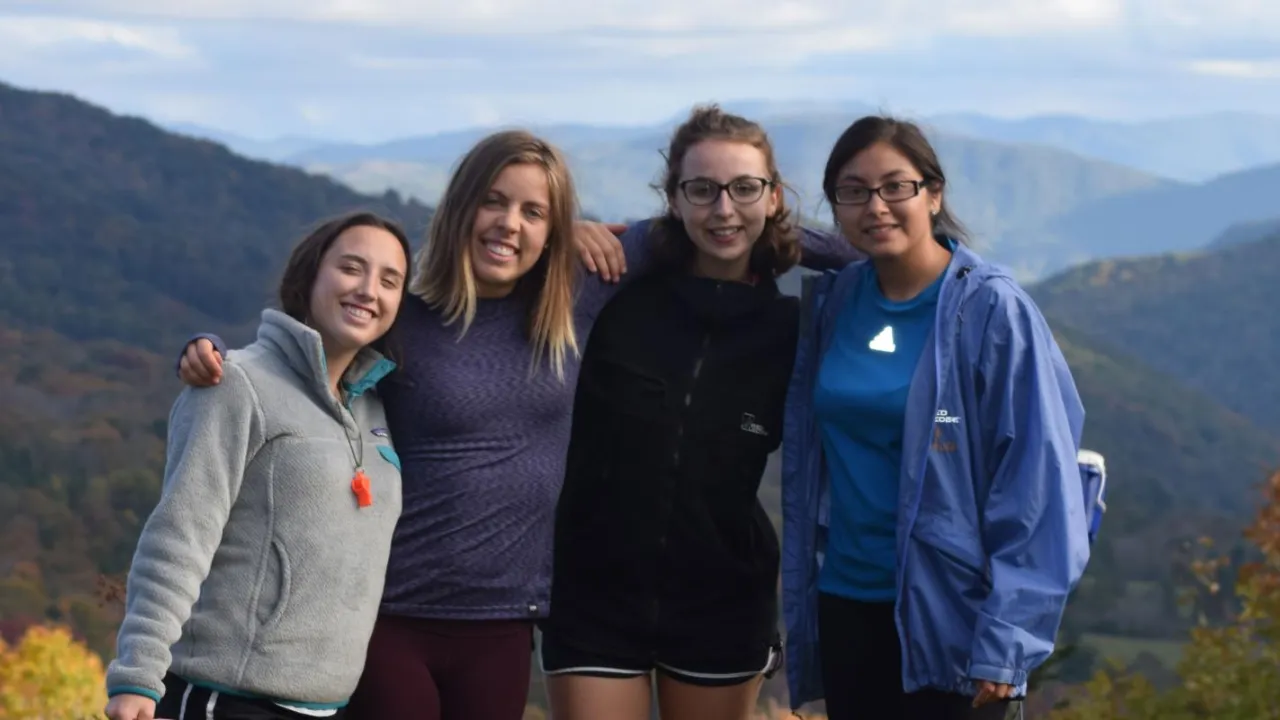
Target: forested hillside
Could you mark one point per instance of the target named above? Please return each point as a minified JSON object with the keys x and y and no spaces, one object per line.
{"x":1204,"y":317}
{"x":117,"y":240}
{"x":113,"y":228}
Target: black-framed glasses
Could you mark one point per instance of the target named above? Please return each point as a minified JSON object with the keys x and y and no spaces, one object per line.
{"x":895,"y":191}
{"x":744,"y":190}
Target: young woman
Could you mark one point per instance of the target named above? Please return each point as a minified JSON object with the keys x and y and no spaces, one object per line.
{"x":933,"y":508}
{"x":254,"y":588}
{"x":480,"y":412}
{"x":664,"y":558}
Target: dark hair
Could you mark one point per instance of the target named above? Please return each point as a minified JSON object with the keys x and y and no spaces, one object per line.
{"x":304,"y":263}
{"x":908,"y":139}
{"x":778,"y":248}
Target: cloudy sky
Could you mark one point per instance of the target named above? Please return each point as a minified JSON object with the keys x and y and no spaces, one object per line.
{"x":369,"y":70}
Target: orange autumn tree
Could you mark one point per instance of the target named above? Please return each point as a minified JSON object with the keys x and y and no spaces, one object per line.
{"x":1230,"y":672}
{"x":48,"y":674}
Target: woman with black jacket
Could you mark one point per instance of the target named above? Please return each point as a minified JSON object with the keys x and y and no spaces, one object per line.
{"x":665,"y":563}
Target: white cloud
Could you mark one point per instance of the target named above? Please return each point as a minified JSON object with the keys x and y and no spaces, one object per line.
{"x":525,"y":17}
{"x":1237,"y":69}
{"x":746,"y":49}
{"x":364,"y":61}
{"x":33,"y":33}
{"x":374,"y":69}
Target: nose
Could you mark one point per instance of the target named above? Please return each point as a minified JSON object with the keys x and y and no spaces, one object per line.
{"x":508,"y":221}
{"x":723,"y":206}
{"x":368,"y":287}
{"x":876,"y":205}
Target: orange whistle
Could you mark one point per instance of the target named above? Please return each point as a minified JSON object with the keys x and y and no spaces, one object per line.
{"x":360,"y":486}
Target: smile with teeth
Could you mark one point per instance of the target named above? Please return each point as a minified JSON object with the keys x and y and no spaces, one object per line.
{"x":500,"y":249}
{"x":356,"y":312}
{"x":724,"y":232}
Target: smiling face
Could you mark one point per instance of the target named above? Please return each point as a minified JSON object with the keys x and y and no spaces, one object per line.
{"x":885,"y":229}
{"x":511,"y":228}
{"x":724,"y":229}
{"x":358,"y":288}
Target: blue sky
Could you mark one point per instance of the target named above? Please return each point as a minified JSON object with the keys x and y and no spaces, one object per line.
{"x":369,"y":70}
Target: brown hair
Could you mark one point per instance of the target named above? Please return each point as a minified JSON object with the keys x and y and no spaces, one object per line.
{"x":304,"y":263}
{"x":444,"y":277}
{"x":908,"y":139}
{"x":778,"y":248}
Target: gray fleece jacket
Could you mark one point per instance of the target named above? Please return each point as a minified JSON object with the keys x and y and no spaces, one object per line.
{"x":258,"y":573}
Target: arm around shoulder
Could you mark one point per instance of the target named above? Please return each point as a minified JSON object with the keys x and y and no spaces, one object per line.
{"x":821,"y":250}
{"x":1033,"y":525}
{"x":213,"y":433}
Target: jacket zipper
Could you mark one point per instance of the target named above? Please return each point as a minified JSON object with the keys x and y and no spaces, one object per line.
{"x":675,"y":461}
{"x":904,"y":640}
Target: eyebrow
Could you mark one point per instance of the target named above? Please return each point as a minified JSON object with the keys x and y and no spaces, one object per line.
{"x":365,"y":263}
{"x":855,"y":178}
{"x":528,"y":203}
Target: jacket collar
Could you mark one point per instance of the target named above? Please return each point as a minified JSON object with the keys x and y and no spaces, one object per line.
{"x":722,"y":302}
{"x":302,"y":349}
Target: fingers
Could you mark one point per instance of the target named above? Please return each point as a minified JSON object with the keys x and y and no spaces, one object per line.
{"x":616,"y":228}
{"x":210,"y":359}
{"x":600,"y":250}
{"x":615,"y":255}
{"x":986,"y":693}
{"x":120,"y":707}
{"x":991,"y":692}
{"x":200,"y":365}
{"x":592,"y":255}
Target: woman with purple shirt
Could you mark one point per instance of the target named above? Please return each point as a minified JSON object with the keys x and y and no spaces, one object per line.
{"x":480,"y":412}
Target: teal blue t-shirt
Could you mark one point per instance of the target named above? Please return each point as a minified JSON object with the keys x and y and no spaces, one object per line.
{"x":860,"y":402}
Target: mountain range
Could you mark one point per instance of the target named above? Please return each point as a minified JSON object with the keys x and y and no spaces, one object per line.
{"x":119,"y":239}
{"x":1039,"y":194}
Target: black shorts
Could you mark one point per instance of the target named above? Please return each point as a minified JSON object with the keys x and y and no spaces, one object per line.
{"x":559,"y":658}
{"x":185,"y":701}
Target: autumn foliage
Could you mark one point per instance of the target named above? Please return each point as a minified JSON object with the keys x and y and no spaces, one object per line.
{"x":48,"y":675}
{"x":1228,"y":672}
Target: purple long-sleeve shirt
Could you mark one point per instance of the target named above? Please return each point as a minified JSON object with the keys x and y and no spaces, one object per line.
{"x":482,"y":446}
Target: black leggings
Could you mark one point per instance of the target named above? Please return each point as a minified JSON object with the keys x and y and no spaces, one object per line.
{"x":862,"y":670}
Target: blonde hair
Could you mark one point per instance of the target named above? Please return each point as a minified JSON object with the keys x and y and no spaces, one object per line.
{"x":443,"y":276}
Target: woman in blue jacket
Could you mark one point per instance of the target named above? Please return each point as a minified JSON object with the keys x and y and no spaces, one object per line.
{"x":934,"y":520}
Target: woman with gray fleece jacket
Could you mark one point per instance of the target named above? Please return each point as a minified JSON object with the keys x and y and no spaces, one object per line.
{"x":257,"y":578}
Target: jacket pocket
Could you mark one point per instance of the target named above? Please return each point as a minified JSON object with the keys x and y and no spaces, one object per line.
{"x":276,"y":585}
{"x":961,"y":566}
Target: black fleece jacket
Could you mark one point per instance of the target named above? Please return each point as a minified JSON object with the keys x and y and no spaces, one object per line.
{"x":661,"y":544}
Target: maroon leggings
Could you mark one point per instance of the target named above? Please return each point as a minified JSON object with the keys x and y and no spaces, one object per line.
{"x":445,"y":670}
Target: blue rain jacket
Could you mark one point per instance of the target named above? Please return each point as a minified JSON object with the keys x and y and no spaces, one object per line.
{"x":992,"y":525}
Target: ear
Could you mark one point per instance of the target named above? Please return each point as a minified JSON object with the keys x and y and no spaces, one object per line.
{"x":674,"y":207}
{"x":775,"y":201}
{"x":935,"y":198}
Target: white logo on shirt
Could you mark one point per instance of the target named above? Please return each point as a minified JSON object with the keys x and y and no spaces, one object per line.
{"x":884,"y":341}
{"x":750,"y":425}
{"x":943,"y":417}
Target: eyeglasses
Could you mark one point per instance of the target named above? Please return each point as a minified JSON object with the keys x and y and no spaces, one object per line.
{"x":895,"y":191}
{"x":744,"y":190}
